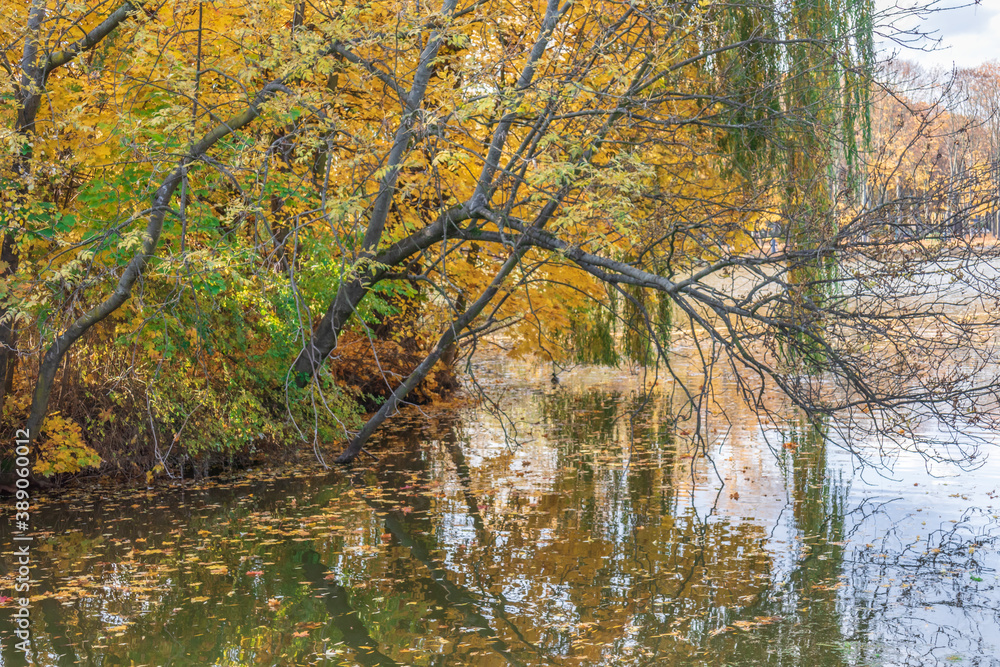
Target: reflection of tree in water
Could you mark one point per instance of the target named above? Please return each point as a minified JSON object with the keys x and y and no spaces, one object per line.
{"x":942,"y":606}
{"x":854,"y":601}
{"x":600,"y":567}
{"x":589,"y":568}
{"x":441,"y":555}
{"x":807,"y":627}
{"x":140,"y":579}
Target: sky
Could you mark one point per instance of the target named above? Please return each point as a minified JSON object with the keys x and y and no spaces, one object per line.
{"x":969,"y":31}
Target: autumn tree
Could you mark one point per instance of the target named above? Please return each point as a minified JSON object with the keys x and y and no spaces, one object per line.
{"x":218,"y":193}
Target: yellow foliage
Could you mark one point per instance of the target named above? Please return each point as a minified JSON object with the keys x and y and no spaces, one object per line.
{"x":62,"y":449}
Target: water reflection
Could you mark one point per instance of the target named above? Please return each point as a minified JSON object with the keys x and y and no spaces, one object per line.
{"x":603,"y":538}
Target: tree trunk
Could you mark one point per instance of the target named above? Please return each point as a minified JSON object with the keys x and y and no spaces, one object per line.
{"x":28,"y":96}
{"x":35,"y":68}
{"x":137,"y":265}
{"x":425,"y":366}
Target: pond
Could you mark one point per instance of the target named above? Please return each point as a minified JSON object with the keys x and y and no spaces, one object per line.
{"x":597,"y":534}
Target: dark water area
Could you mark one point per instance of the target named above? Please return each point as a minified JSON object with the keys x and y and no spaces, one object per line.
{"x":602,"y":536}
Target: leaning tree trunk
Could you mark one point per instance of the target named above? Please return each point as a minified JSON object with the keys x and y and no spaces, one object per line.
{"x":425,"y":366}
{"x":28,"y":95}
{"x":351,"y":292}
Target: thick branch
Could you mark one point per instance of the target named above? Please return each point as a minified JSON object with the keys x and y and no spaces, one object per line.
{"x":91,"y":39}
{"x":351,"y":57}
{"x":614,"y":272}
{"x":350,"y":293}
{"x":421,"y":371}
{"x":353,"y":290}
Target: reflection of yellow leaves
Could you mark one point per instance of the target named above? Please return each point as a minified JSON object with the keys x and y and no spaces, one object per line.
{"x":757,"y":622}
{"x":309,"y":626}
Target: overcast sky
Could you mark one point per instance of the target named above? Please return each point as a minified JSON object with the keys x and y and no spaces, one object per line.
{"x":969,"y":32}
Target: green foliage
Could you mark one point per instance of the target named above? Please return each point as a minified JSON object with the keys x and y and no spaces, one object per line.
{"x":222,"y":375}
{"x":592,"y":336}
{"x":621,"y":329}
{"x":827,"y":62}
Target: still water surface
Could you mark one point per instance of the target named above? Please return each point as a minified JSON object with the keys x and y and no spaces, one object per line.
{"x":600,"y":539}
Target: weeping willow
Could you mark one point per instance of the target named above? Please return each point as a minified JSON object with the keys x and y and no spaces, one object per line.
{"x":790,"y":113}
{"x":796,"y":97}
{"x":830,"y":94}
{"x":591,"y":337}
{"x":805,"y":135}
{"x":633,"y":325}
